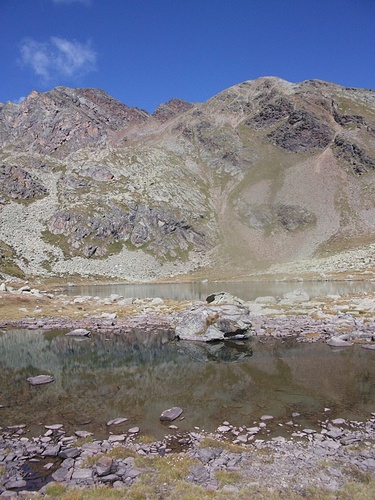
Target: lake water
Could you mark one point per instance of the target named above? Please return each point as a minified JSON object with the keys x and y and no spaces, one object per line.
{"x":199,"y":291}
{"x":139,"y":376}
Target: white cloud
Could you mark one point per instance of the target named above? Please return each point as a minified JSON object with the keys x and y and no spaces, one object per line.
{"x":58,"y":58}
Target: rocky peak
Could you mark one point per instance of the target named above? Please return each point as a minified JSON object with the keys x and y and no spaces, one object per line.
{"x":170,"y":109}
{"x":63,"y":120}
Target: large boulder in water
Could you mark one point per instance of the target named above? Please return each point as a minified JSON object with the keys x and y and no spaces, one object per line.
{"x":213,"y":323}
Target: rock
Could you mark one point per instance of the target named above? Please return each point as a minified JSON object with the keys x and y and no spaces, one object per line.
{"x":13,"y":485}
{"x":18,"y":183}
{"x":295,"y":296}
{"x":212,"y":323}
{"x":223,"y":428}
{"x":61,"y":474}
{"x":265,"y":300}
{"x":371,"y":347}
{"x":79,"y":332}
{"x":221,"y":298}
{"x":117,"y":421}
{"x":117,"y":438}
{"x":265,"y":418}
{"x":82,"y":474}
{"x":104,"y":466}
{"x":171,"y":414}
{"x":83,"y":434}
{"x":70,"y":453}
{"x":40,"y":379}
{"x":51,"y":451}
{"x":133,"y":430}
{"x":337,"y":342}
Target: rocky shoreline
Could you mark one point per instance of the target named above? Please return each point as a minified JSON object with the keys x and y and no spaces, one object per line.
{"x":233,"y":461}
{"x":342,"y":452}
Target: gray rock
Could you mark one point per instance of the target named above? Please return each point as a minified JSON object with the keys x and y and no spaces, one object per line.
{"x":13,"y":485}
{"x":211,"y":323}
{"x":117,"y":438}
{"x":221,"y":298}
{"x":104,"y":466}
{"x":40,"y":379}
{"x":70,"y":453}
{"x":82,"y":474}
{"x":61,"y":474}
{"x":51,"y":451}
{"x":83,"y":434}
{"x":133,"y":430}
{"x":171,"y":414}
{"x":79,"y":332}
{"x":198,"y":474}
{"x":337,"y":342}
{"x":117,"y":421}
{"x":110,"y":478}
{"x":205,"y":455}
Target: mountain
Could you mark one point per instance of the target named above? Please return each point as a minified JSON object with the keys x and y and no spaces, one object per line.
{"x":263,"y":174}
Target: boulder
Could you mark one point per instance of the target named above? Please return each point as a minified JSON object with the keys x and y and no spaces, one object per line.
{"x":213,"y":323}
{"x":337,"y":342}
{"x":171,"y":414}
{"x":79,"y":332}
{"x":224,"y":298}
{"x":295,"y":296}
{"x":40,"y":379}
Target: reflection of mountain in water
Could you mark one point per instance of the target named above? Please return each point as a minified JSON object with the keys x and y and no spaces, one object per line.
{"x":225,"y":352}
{"x":139,"y":375}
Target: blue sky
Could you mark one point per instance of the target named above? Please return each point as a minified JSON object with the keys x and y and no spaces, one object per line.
{"x":145,"y":52}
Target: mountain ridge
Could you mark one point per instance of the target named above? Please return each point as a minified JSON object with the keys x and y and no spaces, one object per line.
{"x":263,"y":173}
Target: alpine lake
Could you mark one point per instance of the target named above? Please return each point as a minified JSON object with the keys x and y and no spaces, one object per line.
{"x":138,"y":376}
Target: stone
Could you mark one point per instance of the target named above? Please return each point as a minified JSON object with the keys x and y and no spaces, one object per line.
{"x":221,"y":298}
{"x":79,"y":332}
{"x":116,"y":438}
{"x":212,"y":323}
{"x":51,"y":451}
{"x":83,"y":434}
{"x":265,"y":418}
{"x":104,"y":466}
{"x":110,"y":478}
{"x":70,"y":453}
{"x":13,"y":485}
{"x":117,"y":421}
{"x":171,"y":414}
{"x":223,"y":428}
{"x":337,"y":342}
{"x":82,"y":474}
{"x":133,"y":430}
{"x":295,"y":296}
{"x":40,"y":379}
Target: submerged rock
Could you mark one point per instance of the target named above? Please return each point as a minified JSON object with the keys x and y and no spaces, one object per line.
{"x":337,"y":342}
{"x":40,"y":379}
{"x":79,"y":332}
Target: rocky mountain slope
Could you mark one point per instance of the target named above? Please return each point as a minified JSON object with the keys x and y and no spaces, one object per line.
{"x":265,"y":173}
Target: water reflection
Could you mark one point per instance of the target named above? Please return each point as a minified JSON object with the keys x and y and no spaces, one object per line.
{"x":141,"y":375}
{"x":199,"y":291}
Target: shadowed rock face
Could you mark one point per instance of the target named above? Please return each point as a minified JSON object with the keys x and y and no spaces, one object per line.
{"x":264,"y":172}
{"x":17,"y":183}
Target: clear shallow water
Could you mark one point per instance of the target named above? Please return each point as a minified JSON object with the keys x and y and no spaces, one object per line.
{"x":199,"y":291}
{"x":140,"y":376}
